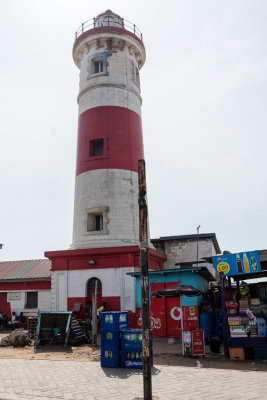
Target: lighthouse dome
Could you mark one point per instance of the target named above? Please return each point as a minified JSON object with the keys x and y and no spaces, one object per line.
{"x":108,"y":18}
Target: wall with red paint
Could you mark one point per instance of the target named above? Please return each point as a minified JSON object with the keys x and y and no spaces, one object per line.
{"x":4,"y":304}
{"x":121,"y":130}
{"x":25,"y":285}
{"x":109,"y":257}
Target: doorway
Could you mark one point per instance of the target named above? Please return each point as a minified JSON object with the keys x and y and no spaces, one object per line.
{"x":91,"y":291}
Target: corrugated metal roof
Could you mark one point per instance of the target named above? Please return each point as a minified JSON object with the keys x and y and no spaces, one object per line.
{"x":25,"y":269}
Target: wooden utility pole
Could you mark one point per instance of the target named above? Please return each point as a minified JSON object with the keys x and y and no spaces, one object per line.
{"x":143,"y":237}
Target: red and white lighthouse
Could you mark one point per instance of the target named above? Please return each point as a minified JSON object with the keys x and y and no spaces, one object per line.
{"x":110,"y":141}
{"x":109,"y":52}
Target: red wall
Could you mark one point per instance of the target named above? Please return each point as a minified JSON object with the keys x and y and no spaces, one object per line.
{"x":121,"y":130}
{"x":111,"y":257}
{"x":26,"y":285}
{"x":4,"y":304}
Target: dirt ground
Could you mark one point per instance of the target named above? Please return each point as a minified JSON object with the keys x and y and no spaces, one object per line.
{"x":164,"y":354}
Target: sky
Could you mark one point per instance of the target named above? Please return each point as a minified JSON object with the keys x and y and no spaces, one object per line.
{"x":204,"y":113}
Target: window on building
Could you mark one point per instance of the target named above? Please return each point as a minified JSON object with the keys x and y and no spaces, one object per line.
{"x":137,"y":76}
{"x":94,"y":222}
{"x":96,"y":147}
{"x":98,"y":66}
{"x":31,"y":300}
{"x":97,"y":63}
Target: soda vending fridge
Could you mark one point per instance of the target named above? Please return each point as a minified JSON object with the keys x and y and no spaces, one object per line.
{"x":194,"y":343}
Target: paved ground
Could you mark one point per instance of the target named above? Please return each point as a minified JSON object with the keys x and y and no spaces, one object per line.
{"x":41,"y":379}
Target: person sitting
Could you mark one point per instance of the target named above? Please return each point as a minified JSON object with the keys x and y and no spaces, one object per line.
{"x":13,"y":320}
{"x":1,"y":319}
{"x":4,"y":322}
{"x":21,"y":318}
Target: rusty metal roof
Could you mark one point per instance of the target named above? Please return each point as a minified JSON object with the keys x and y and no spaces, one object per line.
{"x":25,"y":269}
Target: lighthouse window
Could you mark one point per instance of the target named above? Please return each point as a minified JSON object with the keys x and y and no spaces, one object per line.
{"x":98,"y":66}
{"x":96,"y":148}
{"x":137,"y":76}
{"x":94,"y":222}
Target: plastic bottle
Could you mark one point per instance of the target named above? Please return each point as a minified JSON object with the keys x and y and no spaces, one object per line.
{"x":254,"y":266}
{"x":246,"y":263}
{"x":239,"y":265}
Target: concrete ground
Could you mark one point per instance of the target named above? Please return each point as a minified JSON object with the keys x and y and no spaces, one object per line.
{"x":42,"y":379}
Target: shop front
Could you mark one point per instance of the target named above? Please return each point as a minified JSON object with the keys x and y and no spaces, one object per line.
{"x":166,"y":313}
{"x":245,"y":311}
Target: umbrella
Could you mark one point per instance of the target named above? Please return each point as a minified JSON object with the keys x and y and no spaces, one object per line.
{"x":176,"y":291}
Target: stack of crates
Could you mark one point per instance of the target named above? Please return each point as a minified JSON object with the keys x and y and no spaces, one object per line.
{"x":112,"y":322}
{"x":131,"y":348}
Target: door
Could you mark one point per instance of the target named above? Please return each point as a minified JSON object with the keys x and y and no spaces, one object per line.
{"x":173,"y":314}
{"x":4,"y":304}
{"x":157,"y":312}
{"x":91,"y":291}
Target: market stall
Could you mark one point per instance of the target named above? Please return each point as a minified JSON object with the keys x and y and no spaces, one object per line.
{"x":245,"y":312}
{"x":193,"y":343}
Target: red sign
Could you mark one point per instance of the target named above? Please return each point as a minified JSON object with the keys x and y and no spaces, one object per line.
{"x":198,"y":343}
{"x":193,"y":343}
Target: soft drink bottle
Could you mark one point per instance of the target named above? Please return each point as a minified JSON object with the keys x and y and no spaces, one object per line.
{"x":239,"y":265}
{"x":111,"y":319}
{"x":254,"y":266}
{"x":137,"y":356}
{"x":128,"y":356}
{"x":132,"y":355}
{"x":246,"y":263}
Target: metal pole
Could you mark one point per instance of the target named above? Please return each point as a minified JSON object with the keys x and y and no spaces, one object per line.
{"x":224,"y":317}
{"x":94,"y":316}
{"x":197,"y":243}
{"x":230,"y":288}
{"x":143,"y":237}
{"x":182,"y":323}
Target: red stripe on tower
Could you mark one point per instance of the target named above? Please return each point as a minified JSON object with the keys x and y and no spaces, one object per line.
{"x":109,"y":137}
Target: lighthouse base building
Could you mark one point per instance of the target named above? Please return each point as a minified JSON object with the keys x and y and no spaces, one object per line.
{"x":75,"y":272}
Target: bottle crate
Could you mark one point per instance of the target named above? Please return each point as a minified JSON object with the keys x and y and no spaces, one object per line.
{"x":110,"y":357}
{"x":114,"y":320}
{"x":110,"y":339}
{"x":131,"y":339}
{"x":133,"y":359}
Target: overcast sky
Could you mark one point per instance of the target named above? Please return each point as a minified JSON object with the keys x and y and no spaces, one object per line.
{"x":204,"y":89}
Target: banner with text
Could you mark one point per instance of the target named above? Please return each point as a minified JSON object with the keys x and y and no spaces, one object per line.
{"x":238,"y":263}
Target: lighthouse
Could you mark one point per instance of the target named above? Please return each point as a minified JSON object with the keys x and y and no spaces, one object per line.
{"x":109,"y":52}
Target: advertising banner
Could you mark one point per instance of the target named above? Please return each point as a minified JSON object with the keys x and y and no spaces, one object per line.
{"x":238,"y":263}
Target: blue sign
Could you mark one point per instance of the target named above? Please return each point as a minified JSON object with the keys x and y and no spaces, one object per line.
{"x":238,"y":263}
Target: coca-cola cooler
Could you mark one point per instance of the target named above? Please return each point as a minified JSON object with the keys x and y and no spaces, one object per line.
{"x":193,"y":343}
{"x":190,"y":318}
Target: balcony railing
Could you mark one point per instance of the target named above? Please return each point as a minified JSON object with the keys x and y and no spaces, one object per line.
{"x":96,"y":23}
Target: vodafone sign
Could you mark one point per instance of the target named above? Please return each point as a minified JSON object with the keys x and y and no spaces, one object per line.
{"x":176,"y":313}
